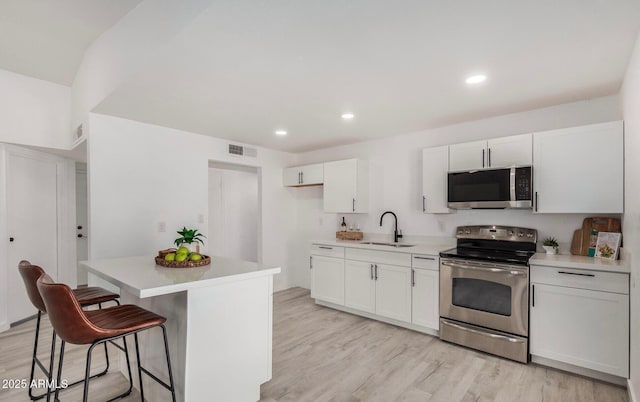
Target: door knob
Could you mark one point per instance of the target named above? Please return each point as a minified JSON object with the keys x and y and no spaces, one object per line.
{"x":79,"y":227}
{"x":80,"y":235}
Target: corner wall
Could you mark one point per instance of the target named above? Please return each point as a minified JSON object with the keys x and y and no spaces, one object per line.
{"x":140,"y":174}
{"x":631,"y":109}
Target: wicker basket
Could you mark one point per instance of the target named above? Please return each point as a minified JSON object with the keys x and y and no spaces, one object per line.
{"x":206,"y":260}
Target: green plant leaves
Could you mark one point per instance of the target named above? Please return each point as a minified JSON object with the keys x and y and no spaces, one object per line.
{"x":189,"y":236}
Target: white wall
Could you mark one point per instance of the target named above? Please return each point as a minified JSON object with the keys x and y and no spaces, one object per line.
{"x":141,"y":174}
{"x":396,"y":179}
{"x":34,"y":112}
{"x":631,"y":227}
{"x":233,"y":213}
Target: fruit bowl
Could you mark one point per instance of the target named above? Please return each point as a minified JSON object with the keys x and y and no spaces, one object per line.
{"x":206,"y":260}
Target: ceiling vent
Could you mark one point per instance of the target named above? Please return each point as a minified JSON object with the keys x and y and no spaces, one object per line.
{"x":242,"y":151}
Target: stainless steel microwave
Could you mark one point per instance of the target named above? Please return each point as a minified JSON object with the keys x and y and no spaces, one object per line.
{"x":491,"y":188}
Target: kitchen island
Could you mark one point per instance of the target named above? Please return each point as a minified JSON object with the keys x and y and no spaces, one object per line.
{"x":219,"y":324}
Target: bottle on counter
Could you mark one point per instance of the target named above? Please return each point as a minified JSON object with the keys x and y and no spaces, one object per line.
{"x":343,"y":225}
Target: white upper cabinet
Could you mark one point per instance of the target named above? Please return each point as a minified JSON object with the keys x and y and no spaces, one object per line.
{"x":303,"y":175}
{"x":435,"y":164}
{"x":346,"y":186}
{"x":467,"y":156}
{"x":579,"y":169}
{"x":494,"y":153}
{"x":515,"y":150}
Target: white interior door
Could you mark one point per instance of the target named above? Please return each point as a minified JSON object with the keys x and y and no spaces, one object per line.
{"x":82,"y":246}
{"x":31,"y":225}
{"x":233,"y":213}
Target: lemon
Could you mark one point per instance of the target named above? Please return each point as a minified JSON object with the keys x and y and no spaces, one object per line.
{"x":181,"y":257}
{"x":195,"y":257}
{"x":182,"y":250}
{"x":170,"y":257}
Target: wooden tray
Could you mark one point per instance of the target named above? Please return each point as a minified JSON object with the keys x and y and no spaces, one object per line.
{"x":206,"y":260}
{"x":349,"y":235}
{"x":580,"y":241}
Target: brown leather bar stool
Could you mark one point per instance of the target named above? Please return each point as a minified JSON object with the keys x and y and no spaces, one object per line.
{"x":88,"y":296}
{"x":79,"y":327}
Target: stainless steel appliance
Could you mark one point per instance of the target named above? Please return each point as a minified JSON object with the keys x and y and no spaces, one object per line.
{"x":484,"y":290}
{"x":491,"y":188}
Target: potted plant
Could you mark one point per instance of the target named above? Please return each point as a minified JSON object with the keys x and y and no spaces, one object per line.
{"x":550,"y":244}
{"x":189,"y":238}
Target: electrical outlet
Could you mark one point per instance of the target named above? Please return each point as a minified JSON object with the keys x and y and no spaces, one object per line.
{"x":200,"y":218}
{"x":162,"y":227}
{"x":440,"y":226}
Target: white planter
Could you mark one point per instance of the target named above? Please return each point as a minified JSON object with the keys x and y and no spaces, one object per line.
{"x":550,"y":249}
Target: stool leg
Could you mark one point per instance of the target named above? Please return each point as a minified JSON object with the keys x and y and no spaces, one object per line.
{"x":106,"y":351}
{"x":35,"y":351}
{"x":87,"y":374}
{"x":59,"y":377}
{"x":135,"y":337}
{"x":51,"y":359}
{"x":166,"y":349}
{"x":126,"y":352}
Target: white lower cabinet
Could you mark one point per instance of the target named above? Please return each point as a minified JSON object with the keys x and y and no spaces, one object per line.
{"x":425,"y":298}
{"x":393,"y":292}
{"x":327,"y":278}
{"x":573,"y":321}
{"x":360,"y":286}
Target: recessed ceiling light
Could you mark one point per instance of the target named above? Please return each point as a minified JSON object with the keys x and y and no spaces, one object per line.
{"x":476,"y":79}
{"x":348,"y":116}
{"x":281,"y":132}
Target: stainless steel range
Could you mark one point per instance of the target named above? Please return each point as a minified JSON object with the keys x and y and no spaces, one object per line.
{"x":484,"y":290}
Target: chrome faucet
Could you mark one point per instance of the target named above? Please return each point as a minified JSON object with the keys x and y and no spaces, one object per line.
{"x":396,"y":236}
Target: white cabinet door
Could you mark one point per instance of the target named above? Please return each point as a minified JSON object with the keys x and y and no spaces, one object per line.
{"x":467,"y":156}
{"x":312,"y":174}
{"x":425,"y":298}
{"x":585,"y":328}
{"x":327,"y":279}
{"x":579,"y":169}
{"x":291,"y":176}
{"x":510,"y":151}
{"x":346,"y":186}
{"x":359,"y":286}
{"x":393,"y":292}
{"x":303,"y":175}
{"x":435,"y":165}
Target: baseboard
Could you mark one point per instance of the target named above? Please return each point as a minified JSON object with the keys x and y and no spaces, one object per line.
{"x":4,"y":326}
{"x":610,"y":378}
{"x":631,"y":391}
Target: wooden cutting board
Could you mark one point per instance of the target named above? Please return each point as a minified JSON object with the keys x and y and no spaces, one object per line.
{"x":580,"y":241}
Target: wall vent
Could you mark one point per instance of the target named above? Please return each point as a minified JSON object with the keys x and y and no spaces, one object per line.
{"x":242,"y":151}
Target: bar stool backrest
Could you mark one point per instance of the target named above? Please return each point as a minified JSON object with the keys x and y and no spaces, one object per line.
{"x":66,"y":316}
{"x":30,"y":274}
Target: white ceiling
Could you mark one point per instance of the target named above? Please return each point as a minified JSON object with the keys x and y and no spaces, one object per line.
{"x":46,"y":38}
{"x":243,"y":69}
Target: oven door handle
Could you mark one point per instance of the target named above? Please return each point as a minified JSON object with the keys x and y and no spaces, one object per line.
{"x":494,"y":269}
{"x":486,"y":334}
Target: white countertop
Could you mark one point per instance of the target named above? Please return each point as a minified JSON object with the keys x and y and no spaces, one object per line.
{"x":141,"y":276}
{"x":579,"y":262}
{"x":419,"y":248}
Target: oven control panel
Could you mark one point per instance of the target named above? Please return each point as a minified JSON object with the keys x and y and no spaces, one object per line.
{"x":494,"y":232}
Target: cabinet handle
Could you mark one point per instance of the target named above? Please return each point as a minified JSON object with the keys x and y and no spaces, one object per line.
{"x":424,"y":200}
{"x":326,"y":248}
{"x":376,"y":266}
{"x":489,"y":157}
{"x":424,"y":258}
{"x":533,"y":295}
{"x":371,"y":270}
{"x":576,"y":273}
{"x":354,"y":205}
{"x":536,"y":201}
{"x":413,"y":277}
{"x":301,"y":177}
{"x":483,"y":158}
{"x":310,"y":262}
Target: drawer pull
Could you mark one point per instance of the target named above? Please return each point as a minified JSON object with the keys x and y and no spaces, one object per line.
{"x":326,"y":248}
{"x":424,"y":258}
{"x":575,"y":273}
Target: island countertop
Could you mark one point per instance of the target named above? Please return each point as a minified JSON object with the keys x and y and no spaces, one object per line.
{"x":141,"y":277}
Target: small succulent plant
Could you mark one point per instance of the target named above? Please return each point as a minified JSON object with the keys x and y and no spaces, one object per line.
{"x":189,"y":236}
{"x":550,"y":241}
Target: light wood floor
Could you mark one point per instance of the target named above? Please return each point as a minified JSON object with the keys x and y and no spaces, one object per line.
{"x":320,"y":354}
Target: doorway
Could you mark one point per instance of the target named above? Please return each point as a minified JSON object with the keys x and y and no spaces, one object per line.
{"x":233,"y":211}
{"x":82,"y":217}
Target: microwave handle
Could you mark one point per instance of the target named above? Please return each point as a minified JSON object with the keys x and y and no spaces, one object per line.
{"x":483,"y":158}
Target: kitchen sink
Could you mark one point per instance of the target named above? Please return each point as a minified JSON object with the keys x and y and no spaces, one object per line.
{"x":375,"y":243}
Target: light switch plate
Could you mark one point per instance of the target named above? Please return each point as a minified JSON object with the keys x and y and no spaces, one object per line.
{"x":162,"y":227}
